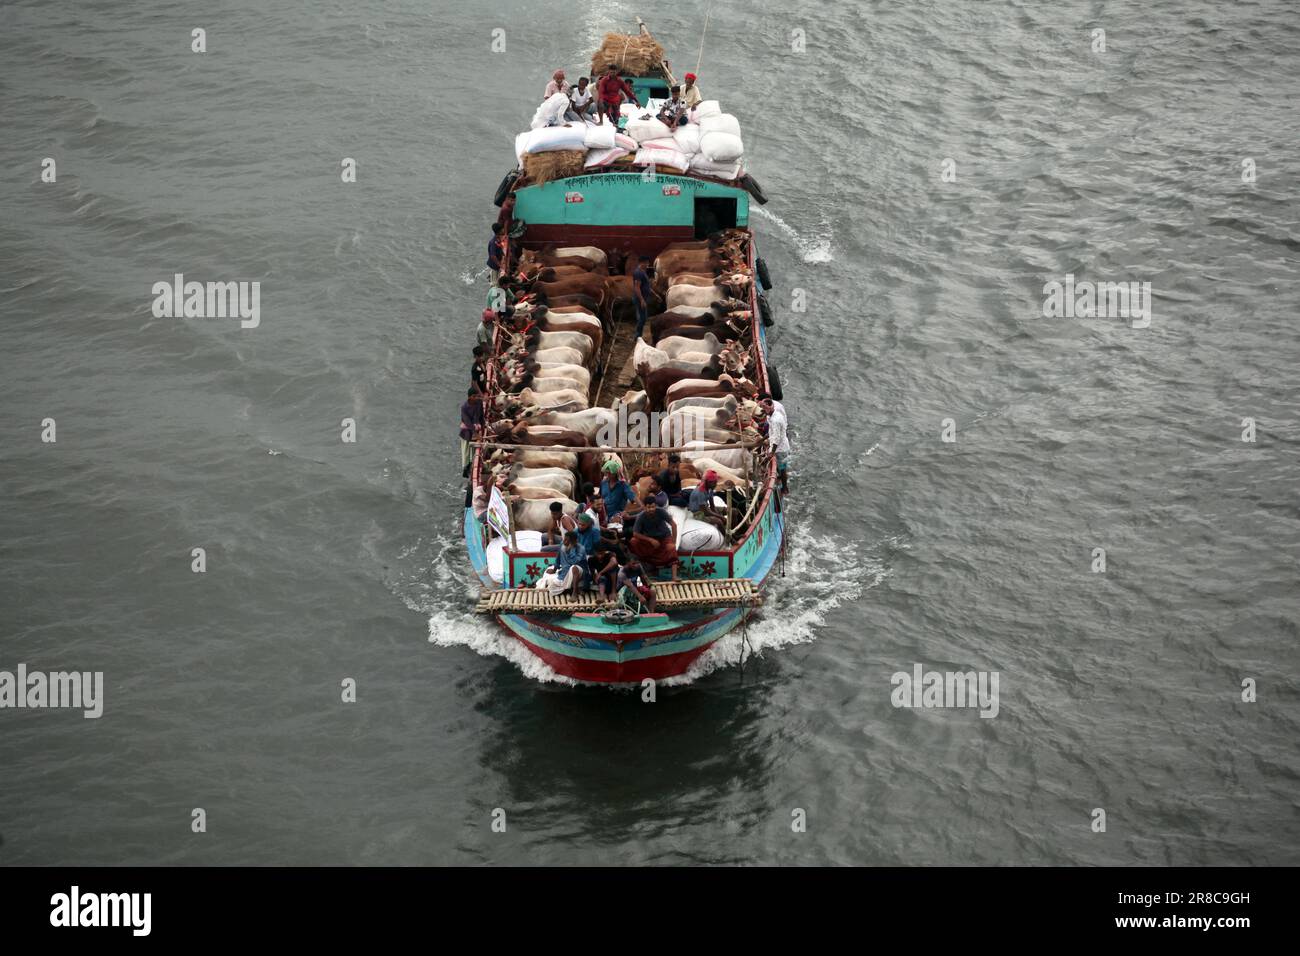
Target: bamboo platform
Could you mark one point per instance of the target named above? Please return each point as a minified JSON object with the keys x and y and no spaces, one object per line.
{"x":669,"y":595}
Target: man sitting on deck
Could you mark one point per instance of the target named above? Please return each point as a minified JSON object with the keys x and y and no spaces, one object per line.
{"x":583,"y":100}
{"x":571,"y":566}
{"x":557,"y":85}
{"x":673,"y":112}
{"x":670,"y":481}
{"x":632,"y":577}
{"x":701,"y":502}
{"x":691,"y":93}
{"x":654,"y":538}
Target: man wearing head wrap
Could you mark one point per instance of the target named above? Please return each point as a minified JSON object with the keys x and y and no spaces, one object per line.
{"x":615,"y":492}
{"x":690,"y":92}
{"x":557,"y":85}
{"x":484,"y":334}
{"x":701,"y":503}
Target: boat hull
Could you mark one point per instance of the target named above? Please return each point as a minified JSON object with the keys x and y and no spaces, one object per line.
{"x":667,"y":651}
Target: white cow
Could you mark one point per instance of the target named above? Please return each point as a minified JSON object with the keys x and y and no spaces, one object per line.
{"x":534,"y":458}
{"x":535,"y":514}
{"x":727,"y":401}
{"x":560,"y":356}
{"x":656,"y":358}
{"x":571,"y":398}
{"x":558,"y":479}
{"x":675,"y":345}
{"x":733,"y":458}
{"x":699,"y":296}
{"x":562,"y":370}
{"x":571,"y":340}
{"x":588,"y":422}
{"x":593,"y":254}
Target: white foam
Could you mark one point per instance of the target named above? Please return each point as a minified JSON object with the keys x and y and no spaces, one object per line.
{"x":821,"y":574}
{"x":814,"y":249}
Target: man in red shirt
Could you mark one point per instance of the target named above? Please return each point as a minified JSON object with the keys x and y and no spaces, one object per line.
{"x":611,"y":89}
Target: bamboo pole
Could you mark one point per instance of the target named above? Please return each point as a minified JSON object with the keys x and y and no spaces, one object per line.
{"x":645,"y":30}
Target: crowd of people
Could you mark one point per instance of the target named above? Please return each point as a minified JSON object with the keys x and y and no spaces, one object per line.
{"x":596,"y":98}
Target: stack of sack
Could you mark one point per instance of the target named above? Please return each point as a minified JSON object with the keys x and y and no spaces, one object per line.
{"x":721,"y":148}
{"x":708,"y":144}
{"x":601,"y":155}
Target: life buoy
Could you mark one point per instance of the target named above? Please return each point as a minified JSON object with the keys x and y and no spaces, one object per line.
{"x":774,"y":383}
{"x":751,"y":186}
{"x":765,"y":311}
{"x":504,"y":189}
{"x":763,"y":275}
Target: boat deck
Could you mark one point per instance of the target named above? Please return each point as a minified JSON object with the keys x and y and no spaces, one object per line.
{"x":619,"y":375}
{"x":669,"y":595}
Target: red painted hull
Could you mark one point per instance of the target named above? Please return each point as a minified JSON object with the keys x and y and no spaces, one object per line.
{"x":648,"y":240}
{"x":629,"y":672}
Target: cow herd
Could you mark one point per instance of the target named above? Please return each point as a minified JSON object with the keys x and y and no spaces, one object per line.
{"x":549,"y":351}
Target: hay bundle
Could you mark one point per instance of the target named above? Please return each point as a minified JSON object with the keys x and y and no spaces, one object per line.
{"x":633,"y":55}
{"x":555,"y":164}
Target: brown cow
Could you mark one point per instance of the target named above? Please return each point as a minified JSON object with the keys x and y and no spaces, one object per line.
{"x":587,"y":284}
{"x":521,"y":433}
{"x":658,"y":381}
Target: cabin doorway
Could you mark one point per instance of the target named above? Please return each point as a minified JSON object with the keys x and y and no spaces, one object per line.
{"x":712,"y":215}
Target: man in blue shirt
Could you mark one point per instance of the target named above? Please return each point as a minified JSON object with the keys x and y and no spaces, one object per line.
{"x":641,"y":293}
{"x":588,"y":533}
{"x":615,"y":492}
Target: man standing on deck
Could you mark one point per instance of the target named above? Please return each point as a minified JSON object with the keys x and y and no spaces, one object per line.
{"x":495,"y":247}
{"x":471,"y":420}
{"x":641,"y":293}
{"x":484,"y":334}
{"x":691,"y":93}
{"x":611,"y":90}
{"x":778,"y":435}
{"x":616,"y":493}
{"x":500,"y":298}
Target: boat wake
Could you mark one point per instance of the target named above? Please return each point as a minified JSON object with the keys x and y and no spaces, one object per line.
{"x":821,"y":573}
{"x":449,"y":589}
{"x":814,"y":249}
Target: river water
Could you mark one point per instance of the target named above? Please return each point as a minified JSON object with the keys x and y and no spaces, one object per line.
{"x":922,"y":282}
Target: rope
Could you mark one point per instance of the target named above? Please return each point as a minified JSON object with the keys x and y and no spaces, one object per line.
{"x":703,"y":34}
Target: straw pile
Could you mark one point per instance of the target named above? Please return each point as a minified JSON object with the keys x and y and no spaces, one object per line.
{"x":555,"y":164}
{"x":633,"y":55}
